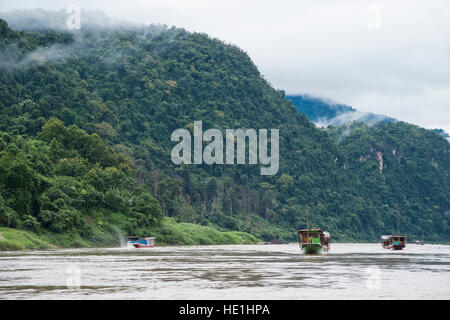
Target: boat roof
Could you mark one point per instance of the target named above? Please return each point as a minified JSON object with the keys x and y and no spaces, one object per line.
{"x":310,"y":230}
{"x":138,"y":237}
{"x":391,"y":236}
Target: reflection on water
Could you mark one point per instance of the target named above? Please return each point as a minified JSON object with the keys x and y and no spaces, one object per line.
{"x":348,"y":271}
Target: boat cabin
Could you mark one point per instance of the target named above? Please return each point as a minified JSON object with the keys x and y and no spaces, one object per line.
{"x":395,"y":242}
{"x":309,"y":236}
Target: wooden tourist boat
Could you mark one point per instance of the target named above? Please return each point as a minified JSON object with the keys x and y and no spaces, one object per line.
{"x":139,"y":242}
{"x":313,"y":241}
{"x":393,"y":242}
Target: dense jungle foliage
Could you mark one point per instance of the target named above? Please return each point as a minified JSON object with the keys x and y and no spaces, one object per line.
{"x":86,"y":121}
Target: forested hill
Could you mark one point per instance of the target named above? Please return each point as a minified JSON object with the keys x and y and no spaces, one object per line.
{"x":131,"y":87}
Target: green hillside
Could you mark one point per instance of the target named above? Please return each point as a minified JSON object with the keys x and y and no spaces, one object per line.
{"x":400,"y":170}
{"x":126,"y":90}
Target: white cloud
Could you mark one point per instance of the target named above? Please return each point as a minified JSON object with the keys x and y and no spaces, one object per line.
{"x":324,"y":48}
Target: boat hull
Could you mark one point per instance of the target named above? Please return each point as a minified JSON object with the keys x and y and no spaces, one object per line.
{"x":394,"y":247}
{"x":312,"y":248}
{"x":140,"y":245}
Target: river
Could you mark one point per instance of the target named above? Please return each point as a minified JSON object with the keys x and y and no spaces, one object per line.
{"x":348,"y":271}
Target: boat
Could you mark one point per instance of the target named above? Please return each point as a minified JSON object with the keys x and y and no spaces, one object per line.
{"x":139,"y":242}
{"x":420,"y":242}
{"x":313,"y":241}
{"x":394,"y":242}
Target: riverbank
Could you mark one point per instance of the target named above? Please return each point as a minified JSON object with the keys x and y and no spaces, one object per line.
{"x":167,"y":232}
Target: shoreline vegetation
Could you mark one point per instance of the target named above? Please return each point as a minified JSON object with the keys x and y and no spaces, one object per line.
{"x":167,"y":232}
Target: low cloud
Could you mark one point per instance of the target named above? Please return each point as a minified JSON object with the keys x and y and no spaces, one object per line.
{"x":351,"y":116}
{"x":398,"y":65}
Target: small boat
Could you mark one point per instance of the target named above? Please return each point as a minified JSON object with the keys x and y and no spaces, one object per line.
{"x":420,"y":242}
{"x":313,"y":241}
{"x":139,"y":242}
{"x":393,"y":242}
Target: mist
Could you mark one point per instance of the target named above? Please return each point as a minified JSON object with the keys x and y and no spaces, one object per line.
{"x":13,"y":57}
{"x":384,"y":57}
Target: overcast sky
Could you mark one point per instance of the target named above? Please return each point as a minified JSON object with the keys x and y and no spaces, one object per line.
{"x":389,"y":57}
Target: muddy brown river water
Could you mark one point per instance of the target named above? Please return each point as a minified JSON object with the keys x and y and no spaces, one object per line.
{"x":348,"y":271}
